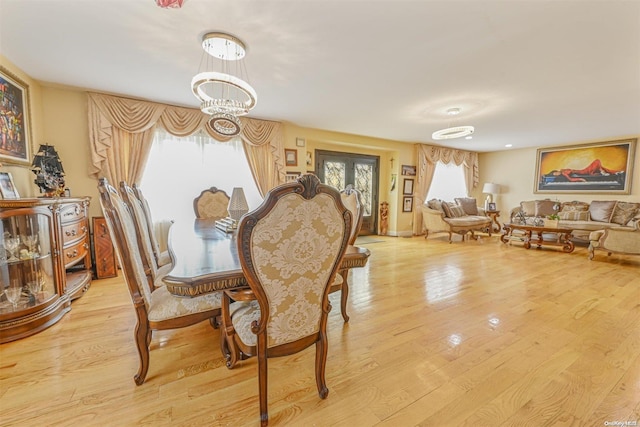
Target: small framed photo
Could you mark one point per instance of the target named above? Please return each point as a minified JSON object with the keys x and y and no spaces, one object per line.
{"x":290,"y":157}
{"x":291,"y":176}
{"x":492,"y":207}
{"x":408,"y":170}
{"x":299,"y":142}
{"x":7,"y":187}
{"x":407,"y":204}
{"x":407,"y":187}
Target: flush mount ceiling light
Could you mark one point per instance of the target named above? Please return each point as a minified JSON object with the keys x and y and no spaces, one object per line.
{"x":455,"y":131}
{"x":224,"y":94}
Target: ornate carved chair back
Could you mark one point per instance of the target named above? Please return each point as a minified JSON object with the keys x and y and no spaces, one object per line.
{"x":142,"y":232}
{"x":162,"y":258}
{"x":211,"y":204}
{"x":290,"y":249}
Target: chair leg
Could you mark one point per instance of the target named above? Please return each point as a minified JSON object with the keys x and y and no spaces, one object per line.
{"x":321,"y":362}
{"x":344,"y":294}
{"x":262,"y":378}
{"x":227,"y":332}
{"x":142,"y":335}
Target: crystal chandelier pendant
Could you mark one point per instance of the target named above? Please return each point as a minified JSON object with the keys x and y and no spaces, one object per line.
{"x":223,"y":95}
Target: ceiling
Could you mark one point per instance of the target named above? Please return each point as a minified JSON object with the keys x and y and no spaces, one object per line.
{"x":527,"y":73}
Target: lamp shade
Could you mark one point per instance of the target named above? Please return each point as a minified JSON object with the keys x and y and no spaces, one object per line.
{"x":491,"y":188}
{"x":238,"y":204}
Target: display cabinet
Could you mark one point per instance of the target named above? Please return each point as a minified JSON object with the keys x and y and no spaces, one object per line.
{"x":44,"y":262}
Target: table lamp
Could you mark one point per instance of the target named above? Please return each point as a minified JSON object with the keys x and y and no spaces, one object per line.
{"x":490,"y":188}
{"x":238,"y":204}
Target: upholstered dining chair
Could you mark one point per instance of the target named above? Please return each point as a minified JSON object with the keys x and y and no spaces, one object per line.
{"x":162,"y":257}
{"x":155,"y":309}
{"x":211,"y":204}
{"x":290,"y":249}
{"x":352,"y":200}
{"x":152,"y":269}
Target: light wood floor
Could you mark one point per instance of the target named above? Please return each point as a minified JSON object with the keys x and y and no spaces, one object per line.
{"x":476,"y":333}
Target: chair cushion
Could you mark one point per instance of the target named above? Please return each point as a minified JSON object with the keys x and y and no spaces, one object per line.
{"x":469,"y":205}
{"x":574,"y":206}
{"x":624,"y":212}
{"x":602,"y":210}
{"x":243,"y":313}
{"x":164,"y":305}
{"x":528,"y":207}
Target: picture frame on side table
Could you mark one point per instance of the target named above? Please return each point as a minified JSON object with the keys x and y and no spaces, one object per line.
{"x":407,"y":204}
{"x":407,"y":186}
{"x":290,"y":157}
{"x":8,"y":189}
{"x":596,"y":168}
{"x":491,"y":207}
{"x":15,"y":140}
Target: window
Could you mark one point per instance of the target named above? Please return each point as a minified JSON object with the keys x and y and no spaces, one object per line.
{"x":180,"y":168}
{"x":448,"y":182}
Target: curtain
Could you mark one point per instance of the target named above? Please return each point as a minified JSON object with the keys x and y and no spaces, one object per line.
{"x":428,"y":156}
{"x":121,"y":132}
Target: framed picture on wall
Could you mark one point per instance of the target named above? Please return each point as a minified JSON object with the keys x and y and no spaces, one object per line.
{"x":407,"y":204}
{"x":602,"y":167}
{"x":408,"y":170}
{"x":15,"y":120}
{"x":8,"y":189}
{"x":291,"y":157}
{"x":407,"y":187}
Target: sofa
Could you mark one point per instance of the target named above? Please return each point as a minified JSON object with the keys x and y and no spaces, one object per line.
{"x":582,"y":217}
{"x":461,"y":217}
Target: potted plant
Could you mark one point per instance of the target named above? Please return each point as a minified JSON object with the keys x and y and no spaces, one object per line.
{"x":552,"y":220}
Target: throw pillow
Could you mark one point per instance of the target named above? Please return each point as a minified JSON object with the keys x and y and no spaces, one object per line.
{"x":469,"y":205}
{"x":574,"y":206}
{"x":624,"y":212}
{"x":528,"y":208}
{"x":435,"y":204}
{"x":452,"y":210}
{"x":601,"y":210}
{"x":574,"y":215}
{"x":545,"y":207}
{"x":457,"y":211}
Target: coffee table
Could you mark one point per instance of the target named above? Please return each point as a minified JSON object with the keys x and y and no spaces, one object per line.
{"x":563,"y":240}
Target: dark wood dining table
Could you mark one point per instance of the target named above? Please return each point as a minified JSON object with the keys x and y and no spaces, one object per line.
{"x":206,"y":259}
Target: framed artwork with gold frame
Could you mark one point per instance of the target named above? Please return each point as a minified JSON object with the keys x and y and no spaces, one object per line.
{"x":15,"y":119}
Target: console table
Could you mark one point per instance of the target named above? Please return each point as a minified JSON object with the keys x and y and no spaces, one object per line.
{"x":563,"y":233}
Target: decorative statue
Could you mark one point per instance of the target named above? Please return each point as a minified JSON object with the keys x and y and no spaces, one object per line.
{"x":384,"y":218}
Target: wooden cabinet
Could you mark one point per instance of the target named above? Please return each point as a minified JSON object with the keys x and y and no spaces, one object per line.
{"x":45,"y":262}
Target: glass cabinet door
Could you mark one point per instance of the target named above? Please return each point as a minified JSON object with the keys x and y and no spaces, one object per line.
{"x":27,"y":273}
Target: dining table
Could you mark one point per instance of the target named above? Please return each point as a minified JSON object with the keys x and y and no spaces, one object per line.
{"x":206,"y":259}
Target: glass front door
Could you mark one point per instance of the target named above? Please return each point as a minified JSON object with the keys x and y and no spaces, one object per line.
{"x":341,"y":169}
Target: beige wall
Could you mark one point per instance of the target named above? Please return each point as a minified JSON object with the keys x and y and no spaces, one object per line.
{"x":59,"y":118}
{"x":514,"y":171}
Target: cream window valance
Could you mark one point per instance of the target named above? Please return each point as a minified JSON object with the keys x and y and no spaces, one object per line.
{"x":121,"y":131}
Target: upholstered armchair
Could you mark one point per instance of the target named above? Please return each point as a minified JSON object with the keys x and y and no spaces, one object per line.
{"x":290,"y":249}
{"x":615,"y":240}
{"x":156,"y":309}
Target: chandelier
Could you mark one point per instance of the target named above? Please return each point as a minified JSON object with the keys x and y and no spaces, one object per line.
{"x":224,"y":95}
{"x":455,"y":131}
{"x":170,"y":4}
